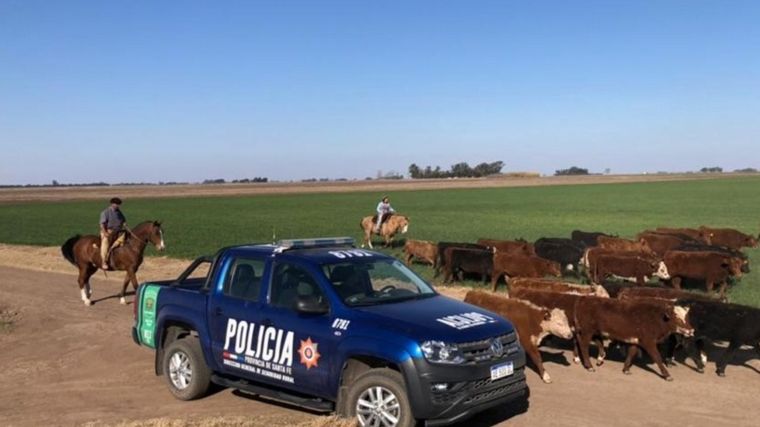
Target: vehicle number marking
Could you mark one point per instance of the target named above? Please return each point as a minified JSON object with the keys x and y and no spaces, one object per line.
{"x":501,"y":371}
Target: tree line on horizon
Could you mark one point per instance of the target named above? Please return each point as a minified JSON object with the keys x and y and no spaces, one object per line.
{"x":458,"y":170}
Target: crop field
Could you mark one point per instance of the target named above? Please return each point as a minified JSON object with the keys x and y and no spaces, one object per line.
{"x":200,"y":225}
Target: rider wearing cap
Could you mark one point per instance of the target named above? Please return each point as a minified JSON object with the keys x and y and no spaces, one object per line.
{"x":112,"y":222}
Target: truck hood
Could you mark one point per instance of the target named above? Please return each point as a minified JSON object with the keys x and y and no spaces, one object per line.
{"x":437,"y":318}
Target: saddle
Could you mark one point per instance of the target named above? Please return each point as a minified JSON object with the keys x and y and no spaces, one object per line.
{"x":385,"y":218}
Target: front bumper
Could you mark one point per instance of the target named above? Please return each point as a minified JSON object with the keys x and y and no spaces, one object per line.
{"x":470,"y":391}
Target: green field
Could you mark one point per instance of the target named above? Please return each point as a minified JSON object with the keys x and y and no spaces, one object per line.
{"x":195,"y":226}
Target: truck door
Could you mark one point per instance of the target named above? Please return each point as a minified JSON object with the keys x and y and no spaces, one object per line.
{"x":306,"y":352}
{"x":234,"y":315}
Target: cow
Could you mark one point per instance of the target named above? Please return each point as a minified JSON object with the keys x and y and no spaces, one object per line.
{"x":711,"y":267}
{"x":660,"y":243}
{"x":618,"y":244}
{"x":683,"y":233}
{"x":703,"y":247}
{"x":588,"y":238}
{"x":628,"y":268}
{"x":420,"y":249}
{"x":592,"y":254}
{"x":566,"y":252}
{"x":509,"y":265}
{"x":442,"y":246}
{"x":727,"y":237}
{"x":668,"y":294}
{"x":641,"y":323}
{"x":716,"y":321}
{"x":463,"y":260}
{"x":516,"y":247}
{"x":552,"y":285}
{"x":533,"y":323}
{"x":565,"y":302}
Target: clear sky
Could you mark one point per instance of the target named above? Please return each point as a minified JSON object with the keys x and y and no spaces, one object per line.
{"x":185,"y":90}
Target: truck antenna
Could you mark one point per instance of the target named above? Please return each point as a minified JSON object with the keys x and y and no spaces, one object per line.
{"x":274,"y":235}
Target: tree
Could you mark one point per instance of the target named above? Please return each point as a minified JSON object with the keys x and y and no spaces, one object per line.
{"x":573,"y":170}
{"x":414,"y":171}
{"x":714,"y":169}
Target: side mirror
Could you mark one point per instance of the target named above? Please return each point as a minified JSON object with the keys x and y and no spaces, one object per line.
{"x":311,"y":305}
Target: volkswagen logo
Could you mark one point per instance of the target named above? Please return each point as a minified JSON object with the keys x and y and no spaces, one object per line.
{"x":497,"y":348}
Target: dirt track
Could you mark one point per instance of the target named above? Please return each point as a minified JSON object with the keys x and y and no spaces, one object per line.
{"x":62,"y":363}
{"x":16,"y":195}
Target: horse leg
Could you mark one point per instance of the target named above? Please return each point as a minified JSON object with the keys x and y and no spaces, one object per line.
{"x":127,"y":279}
{"x":84,"y":283}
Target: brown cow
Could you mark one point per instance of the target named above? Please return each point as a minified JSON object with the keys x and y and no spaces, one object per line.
{"x":552,"y":285}
{"x":727,"y":237}
{"x":643,"y":323}
{"x":682,"y":233}
{"x":515,"y":247}
{"x":668,"y":294}
{"x":662,"y":242}
{"x":565,"y":302}
{"x":591,"y":255}
{"x":631,"y":268}
{"x":508,"y":265}
{"x":618,"y":244}
{"x":711,"y":267}
{"x":421,"y":249}
{"x":533,"y":323}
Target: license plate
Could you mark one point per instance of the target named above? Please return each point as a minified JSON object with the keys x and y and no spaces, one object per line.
{"x":501,"y":371}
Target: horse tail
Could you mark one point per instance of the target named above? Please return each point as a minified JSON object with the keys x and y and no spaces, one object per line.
{"x":67,"y":249}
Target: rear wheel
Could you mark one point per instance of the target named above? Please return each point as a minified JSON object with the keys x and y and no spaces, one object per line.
{"x":185,"y":369}
{"x":378,"y":397}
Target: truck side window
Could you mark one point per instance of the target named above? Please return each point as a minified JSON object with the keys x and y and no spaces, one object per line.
{"x":244,"y":279}
{"x":290,"y":282}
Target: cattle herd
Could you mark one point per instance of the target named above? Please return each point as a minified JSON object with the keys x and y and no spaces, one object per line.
{"x":618,"y":306}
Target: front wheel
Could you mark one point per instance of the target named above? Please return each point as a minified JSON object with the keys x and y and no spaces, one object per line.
{"x":378,"y":398}
{"x":185,"y":369}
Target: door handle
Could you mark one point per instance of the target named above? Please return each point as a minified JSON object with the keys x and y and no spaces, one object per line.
{"x":218,"y":311}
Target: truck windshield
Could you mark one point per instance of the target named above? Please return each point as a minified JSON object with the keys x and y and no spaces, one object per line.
{"x":378,"y":282}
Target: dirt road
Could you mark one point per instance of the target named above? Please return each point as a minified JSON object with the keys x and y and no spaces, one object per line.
{"x":18,"y":195}
{"x":62,"y":363}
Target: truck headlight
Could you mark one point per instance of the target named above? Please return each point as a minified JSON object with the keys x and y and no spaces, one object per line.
{"x":441,"y":352}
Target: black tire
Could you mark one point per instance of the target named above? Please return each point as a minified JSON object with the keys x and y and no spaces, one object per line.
{"x":389,"y":381}
{"x":188,"y":353}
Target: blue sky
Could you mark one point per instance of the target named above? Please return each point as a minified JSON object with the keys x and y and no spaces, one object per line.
{"x":185,"y":90}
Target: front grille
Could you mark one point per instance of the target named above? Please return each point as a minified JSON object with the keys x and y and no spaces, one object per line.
{"x":492,"y":393}
{"x":480,"y":351}
{"x":479,"y":390}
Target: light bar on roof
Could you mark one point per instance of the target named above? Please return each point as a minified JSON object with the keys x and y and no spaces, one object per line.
{"x":321,"y":242}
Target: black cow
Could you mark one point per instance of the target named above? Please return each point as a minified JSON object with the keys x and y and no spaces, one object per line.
{"x":566,"y":252}
{"x":442,"y":246}
{"x":463,"y":260}
{"x":588,"y":238}
{"x":718,"y":321}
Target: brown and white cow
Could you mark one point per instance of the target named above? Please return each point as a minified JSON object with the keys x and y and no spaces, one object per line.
{"x":683,"y":233}
{"x":553,"y":285}
{"x":533,"y":323}
{"x":711,"y":267}
{"x":420,"y":249}
{"x":509,"y":265}
{"x":727,"y":237}
{"x":662,"y":242}
{"x":627,"y":267}
{"x":591,"y":255}
{"x":515,"y":247}
{"x":668,"y":294}
{"x":565,"y":302}
{"x":641,"y":323}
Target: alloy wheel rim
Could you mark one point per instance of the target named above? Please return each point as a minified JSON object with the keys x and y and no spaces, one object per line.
{"x":378,"y":407}
{"x":180,"y":371}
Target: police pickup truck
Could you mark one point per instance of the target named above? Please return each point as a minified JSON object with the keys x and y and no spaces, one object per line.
{"x":323,"y":325}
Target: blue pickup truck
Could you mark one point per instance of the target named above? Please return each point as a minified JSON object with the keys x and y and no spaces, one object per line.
{"x":323,"y":325}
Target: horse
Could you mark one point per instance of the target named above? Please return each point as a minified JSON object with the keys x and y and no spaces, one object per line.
{"x":391,"y":225}
{"x":84,"y":253}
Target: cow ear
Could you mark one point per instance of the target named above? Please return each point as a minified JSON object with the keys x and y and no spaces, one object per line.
{"x":547,"y":315}
{"x":665,"y":317}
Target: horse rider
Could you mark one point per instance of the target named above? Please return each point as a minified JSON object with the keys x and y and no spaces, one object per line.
{"x":112,"y":223}
{"x":383,"y":208}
